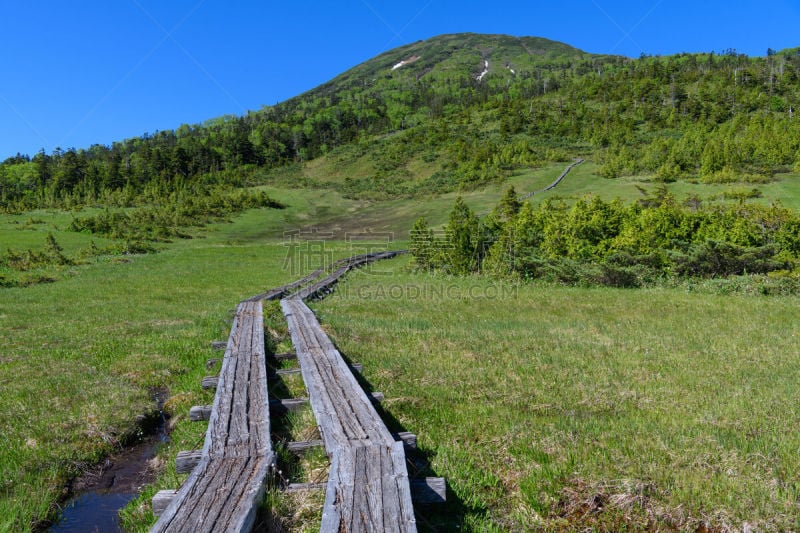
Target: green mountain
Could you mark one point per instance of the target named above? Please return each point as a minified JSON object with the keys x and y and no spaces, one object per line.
{"x":456,"y":112}
{"x":457,"y":55}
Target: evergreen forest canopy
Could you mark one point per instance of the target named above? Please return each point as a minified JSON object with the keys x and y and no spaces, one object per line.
{"x":451,"y":113}
{"x":594,"y":242}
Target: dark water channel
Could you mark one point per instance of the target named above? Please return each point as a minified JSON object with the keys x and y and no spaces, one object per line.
{"x":98,"y":496}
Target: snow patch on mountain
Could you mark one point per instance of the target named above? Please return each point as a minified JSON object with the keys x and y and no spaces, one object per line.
{"x":405,"y":62}
{"x":485,"y":70}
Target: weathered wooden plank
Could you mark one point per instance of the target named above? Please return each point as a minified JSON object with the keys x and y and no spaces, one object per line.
{"x":289,"y":405}
{"x":213,"y":504}
{"x":272,"y":294}
{"x":300,"y":447}
{"x":341,"y":407}
{"x":338,"y":492}
{"x":355,"y":367}
{"x":323,"y":286}
{"x":219,"y":345}
{"x":399,"y":476}
{"x":408,"y":438}
{"x":356,"y":508}
{"x":391,"y":492}
{"x":377,"y":492}
{"x":209,"y":382}
{"x":220,"y":410}
{"x":199,"y":413}
{"x":285,"y":372}
{"x":280,"y":292}
{"x":296,"y":487}
{"x":225,"y":486}
{"x":428,"y":490}
{"x":161,"y":500}
{"x":241,"y":423}
{"x":368,"y":487}
{"x":219,"y":420}
{"x":368,"y":490}
{"x":223,"y":480}
{"x":258,"y":400}
{"x":187,"y":460}
{"x":234,"y":430}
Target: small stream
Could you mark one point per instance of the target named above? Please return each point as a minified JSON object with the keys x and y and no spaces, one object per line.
{"x":99,"y":496}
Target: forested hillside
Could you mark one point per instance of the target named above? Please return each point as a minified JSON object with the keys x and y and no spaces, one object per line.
{"x":457,"y":111}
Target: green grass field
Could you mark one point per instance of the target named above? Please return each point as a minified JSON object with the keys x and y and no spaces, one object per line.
{"x":557,"y":407}
{"x":81,"y":355}
{"x":540,"y":407}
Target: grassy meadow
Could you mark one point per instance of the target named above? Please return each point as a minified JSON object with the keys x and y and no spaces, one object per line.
{"x":81,"y":356}
{"x":545,"y":407}
{"x":562,"y":408}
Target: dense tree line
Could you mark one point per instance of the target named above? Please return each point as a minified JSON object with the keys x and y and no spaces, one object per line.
{"x":611,"y":243}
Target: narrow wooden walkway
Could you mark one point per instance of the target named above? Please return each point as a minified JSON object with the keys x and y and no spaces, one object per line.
{"x":339,"y":268}
{"x":368,"y":488}
{"x":224,"y":489}
{"x":557,"y":180}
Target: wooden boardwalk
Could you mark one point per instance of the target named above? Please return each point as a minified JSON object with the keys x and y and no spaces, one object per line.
{"x":368,"y":487}
{"x":223,"y":490}
{"x":339,"y":268}
{"x":557,"y":180}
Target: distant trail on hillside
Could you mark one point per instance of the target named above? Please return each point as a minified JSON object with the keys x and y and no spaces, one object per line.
{"x":557,"y":181}
{"x":553,"y":185}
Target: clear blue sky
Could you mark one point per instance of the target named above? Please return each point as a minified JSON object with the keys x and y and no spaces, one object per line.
{"x":88,"y":71}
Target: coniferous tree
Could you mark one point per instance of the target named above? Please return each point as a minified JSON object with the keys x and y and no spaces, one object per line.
{"x":423,"y":246}
{"x":54,"y":251}
{"x":462,"y":239}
